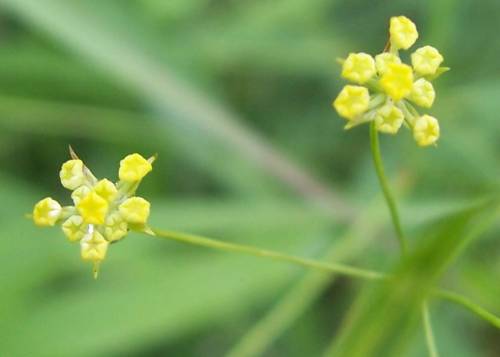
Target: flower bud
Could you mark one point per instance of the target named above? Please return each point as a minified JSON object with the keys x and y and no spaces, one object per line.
{"x":426,"y":130}
{"x":116,"y":227}
{"x":358,"y":67}
{"x":133,"y":168}
{"x":403,"y":32}
{"x":93,"y":246}
{"x":71,"y":174}
{"x":352,"y":101}
{"x":422,"y":93}
{"x":79,"y":194}
{"x":389,"y":119}
{"x":382,"y":61}
{"x":135,"y":210}
{"x":46,"y":212}
{"x":426,"y":60}
{"x":74,"y":228}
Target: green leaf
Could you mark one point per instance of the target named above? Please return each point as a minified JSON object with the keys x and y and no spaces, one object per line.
{"x":385,"y":316}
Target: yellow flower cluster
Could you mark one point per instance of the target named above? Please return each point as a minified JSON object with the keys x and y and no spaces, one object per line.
{"x":386,"y":89}
{"x":102,"y":212}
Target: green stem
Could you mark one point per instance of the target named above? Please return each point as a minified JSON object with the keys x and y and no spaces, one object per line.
{"x":391,"y":203}
{"x":469,"y":305}
{"x":249,"y":250}
{"x":429,"y":335}
{"x":340,"y":269}
{"x":307,"y":290}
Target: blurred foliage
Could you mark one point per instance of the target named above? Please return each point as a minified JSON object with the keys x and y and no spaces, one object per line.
{"x":230,"y":93}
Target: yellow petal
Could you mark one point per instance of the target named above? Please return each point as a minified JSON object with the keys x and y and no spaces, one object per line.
{"x":397,"y":81}
{"x":79,"y":194}
{"x":106,"y":189}
{"x":93,"y":208}
{"x":382,"y":61}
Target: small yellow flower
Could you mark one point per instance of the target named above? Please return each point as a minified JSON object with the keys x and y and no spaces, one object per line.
{"x":133,"y":168}
{"x":116,"y":227}
{"x":80,"y":193}
{"x":422,"y":93}
{"x":382,"y":61}
{"x":135,"y":210}
{"x":71,"y":174}
{"x":358,"y":67}
{"x":106,"y":189}
{"x":352,"y":101}
{"x":397,"y":81}
{"x":426,"y":60}
{"x":94,"y":246}
{"x":74,"y":228}
{"x":403,"y":32}
{"x":426,"y":130}
{"x":389,"y":119}
{"x":93,"y":208}
{"x":46,"y":212}
{"x":103,"y":212}
{"x":390,"y":90}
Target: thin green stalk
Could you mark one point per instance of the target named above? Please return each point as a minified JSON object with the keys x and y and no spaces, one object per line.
{"x":249,"y":250}
{"x":307,"y":290}
{"x":429,"y":335}
{"x":391,"y":203}
{"x":469,"y":305}
{"x":340,"y":269}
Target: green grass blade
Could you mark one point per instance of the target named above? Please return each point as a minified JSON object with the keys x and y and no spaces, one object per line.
{"x":385,"y":316}
{"x":469,"y":305}
{"x":429,"y":334}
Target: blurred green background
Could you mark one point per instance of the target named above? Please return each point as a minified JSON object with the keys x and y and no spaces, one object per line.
{"x":235,"y":98}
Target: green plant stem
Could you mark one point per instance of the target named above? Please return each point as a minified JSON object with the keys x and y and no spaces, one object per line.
{"x":249,"y":250}
{"x":391,"y":203}
{"x":299,"y":298}
{"x":340,"y":269}
{"x":429,"y":335}
{"x":469,"y":305}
